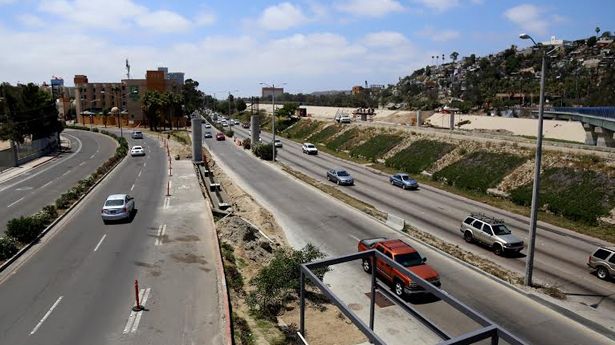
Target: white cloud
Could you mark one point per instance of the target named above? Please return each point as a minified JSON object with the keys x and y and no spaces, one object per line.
{"x":385,"y":39}
{"x":440,"y":5}
{"x":205,"y":18}
{"x":370,"y":8}
{"x":163,"y":21}
{"x":281,"y":17}
{"x":440,"y":35}
{"x":531,"y":18}
{"x":7,"y":2}
{"x":30,"y":20}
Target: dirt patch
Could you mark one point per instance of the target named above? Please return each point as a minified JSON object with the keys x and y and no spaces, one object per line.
{"x":187,"y":238}
{"x":189,"y":258}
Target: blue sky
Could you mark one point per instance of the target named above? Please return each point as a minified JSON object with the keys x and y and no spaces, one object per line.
{"x":311,"y":45}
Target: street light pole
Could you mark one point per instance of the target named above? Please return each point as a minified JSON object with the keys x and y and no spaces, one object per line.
{"x":272,"y":117}
{"x":529,"y":264}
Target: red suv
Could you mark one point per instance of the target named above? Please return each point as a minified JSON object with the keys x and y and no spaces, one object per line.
{"x":220,"y":136}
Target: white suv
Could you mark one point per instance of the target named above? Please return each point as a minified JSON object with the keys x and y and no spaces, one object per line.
{"x":310,"y":149}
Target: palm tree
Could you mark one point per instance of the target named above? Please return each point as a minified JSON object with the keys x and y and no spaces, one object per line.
{"x":597,"y":29}
{"x":454,"y":56}
{"x":152,"y":105}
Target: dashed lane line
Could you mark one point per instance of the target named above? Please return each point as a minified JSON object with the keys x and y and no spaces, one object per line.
{"x":135,"y":316}
{"x":46,"y":315}
{"x":132,"y":187}
{"x":162,"y":229}
{"x":100,"y":242}
{"x":15,"y":202}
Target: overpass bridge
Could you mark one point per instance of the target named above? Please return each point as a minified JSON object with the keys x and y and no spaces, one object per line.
{"x":598,"y":122}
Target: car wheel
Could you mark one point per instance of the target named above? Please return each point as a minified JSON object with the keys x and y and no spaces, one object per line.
{"x":398,"y":287}
{"x":602,"y":273}
{"x":392,"y":183}
{"x":404,"y":187}
{"x":328,"y":178}
{"x":468,"y":237}
{"x":105,"y":221}
{"x":497,"y":249}
{"x":366,"y":266}
{"x":338,"y":182}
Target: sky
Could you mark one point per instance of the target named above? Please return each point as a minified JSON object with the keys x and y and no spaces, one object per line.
{"x":301,"y":45}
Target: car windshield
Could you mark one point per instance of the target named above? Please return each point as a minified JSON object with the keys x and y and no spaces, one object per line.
{"x":309,"y":146}
{"x":137,"y":148}
{"x":404,"y":177}
{"x":410,"y":259}
{"x":342,"y":173}
{"x":500,"y":229}
{"x":114,"y":202}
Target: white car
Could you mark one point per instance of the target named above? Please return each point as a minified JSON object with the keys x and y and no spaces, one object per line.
{"x":137,"y":135}
{"x":310,"y":149}
{"x":207,"y":125}
{"x":117,"y":207}
{"x":137,"y":151}
{"x":277,"y":143}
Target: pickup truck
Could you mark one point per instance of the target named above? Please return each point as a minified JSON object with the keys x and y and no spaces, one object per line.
{"x":404,"y":254}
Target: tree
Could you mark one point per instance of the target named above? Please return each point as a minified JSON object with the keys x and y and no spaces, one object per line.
{"x":152,"y":105}
{"x":241,"y":105}
{"x":597,"y":29}
{"x":193,"y":98}
{"x":454,"y":56}
{"x":288,"y":109}
{"x":591,"y":41}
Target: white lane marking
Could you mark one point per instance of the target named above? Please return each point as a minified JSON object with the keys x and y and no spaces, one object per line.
{"x":24,"y":188}
{"x":132,"y":187}
{"x":144,"y":164}
{"x":66,"y":173}
{"x":161,"y":231}
{"x":354,"y":237}
{"x":92,"y":156}
{"x":46,"y":184}
{"x":140,"y":171}
{"x":135,"y":316}
{"x":138,"y":319}
{"x":100,"y":242}
{"x":46,"y":315}
{"x":16,"y":201}
{"x":167,"y":202}
{"x":81,"y":164}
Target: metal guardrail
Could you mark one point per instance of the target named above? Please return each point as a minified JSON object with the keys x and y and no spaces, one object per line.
{"x":488,"y":330}
{"x":608,"y":112}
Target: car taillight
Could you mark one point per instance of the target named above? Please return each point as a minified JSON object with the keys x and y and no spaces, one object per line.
{"x":125,"y":209}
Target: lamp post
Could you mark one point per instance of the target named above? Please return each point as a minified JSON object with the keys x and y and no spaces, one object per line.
{"x":272,"y":86}
{"x":529,"y":263}
{"x":116,"y":111}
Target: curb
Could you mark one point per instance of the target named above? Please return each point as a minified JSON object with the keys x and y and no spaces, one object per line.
{"x":222,"y":286}
{"x":23,"y":250}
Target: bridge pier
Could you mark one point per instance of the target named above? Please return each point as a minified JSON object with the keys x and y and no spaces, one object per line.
{"x":605,"y":137}
{"x":590,"y":134}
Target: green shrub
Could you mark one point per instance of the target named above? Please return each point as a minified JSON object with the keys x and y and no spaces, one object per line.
{"x":302,"y":129}
{"x":264,"y":151}
{"x":95,"y":130}
{"x":376,"y":147}
{"x":8,"y":247}
{"x":234,"y":279}
{"x":66,"y":199}
{"x":25,"y":229}
{"x":246,"y":143}
{"x":580,"y":195}
{"x":419,"y":156}
{"x":229,"y":133}
{"x":342,"y":141}
{"x":49,"y":213}
{"x":479,"y":170}
{"x":324,"y":134}
{"x":275,"y":282}
{"x":242,"y":334}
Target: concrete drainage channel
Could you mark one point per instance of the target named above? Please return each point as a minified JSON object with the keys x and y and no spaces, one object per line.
{"x":219,"y":199}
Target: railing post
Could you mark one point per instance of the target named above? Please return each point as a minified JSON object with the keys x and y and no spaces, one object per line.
{"x":302,"y":311}
{"x":373,"y":293}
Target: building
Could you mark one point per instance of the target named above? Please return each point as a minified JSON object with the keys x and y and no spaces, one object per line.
{"x":554,"y":42}
{"x":357,"y":90}
{"x":271,"y":91}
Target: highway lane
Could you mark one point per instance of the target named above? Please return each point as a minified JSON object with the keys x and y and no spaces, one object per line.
{"x":308,"y":215}
{"x":560,"y":254}
{"x":27,"y":193}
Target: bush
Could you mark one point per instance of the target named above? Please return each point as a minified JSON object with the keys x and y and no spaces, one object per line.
{"x":246,"y":143}
{"x":95,"y":130}
{"x":25,"y":229}
{"x":302,"y":129}
{"x":275,"y":282}
{"x":344,"y":140}
{"x":66,"y":199}
{"x":576,"y":195}
{"x":479,"y":170}
{"x":229,"y":133}
{"x":264,"y":151}
{"x":49,"y":213}
{"x":419,"y":156}
{"x":376,"y":146}
{"x":8,"y":247}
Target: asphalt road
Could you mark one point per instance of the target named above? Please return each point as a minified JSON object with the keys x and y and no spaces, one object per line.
{"x":77,"y":287}
{"x":561,"y":254}
{"x":308,"y":215}
{"x":27,"y":193}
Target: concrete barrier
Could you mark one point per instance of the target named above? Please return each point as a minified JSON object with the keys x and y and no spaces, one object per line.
{"x":395,"y":222}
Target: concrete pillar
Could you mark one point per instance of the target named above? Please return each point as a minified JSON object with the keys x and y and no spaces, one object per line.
{"x":255,"y":128}
{"x":605,"y":137}
{"x":452,"y":121}
{"x":418,"y":118}
{"x":590,"y":134}
{"x":197,"y":140}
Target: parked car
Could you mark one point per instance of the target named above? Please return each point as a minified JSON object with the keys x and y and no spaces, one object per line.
{"x":207,"y":125}
{"x":136,"y":135}
{"x":602,"y":261}
{"x":344,"y":119}
{"x":117,"y":207}
{"x":245,"y":125}
{"x":405,"y":255}
{"x":207,"y":135}
{"x":404,"y":181}
{"x":340,"y":176}
{"x":220,"y":136}
{"x":277,"y":143}
{"x":310,"y":149}
{"x":137,"y":151}
{"x":491,"y":232}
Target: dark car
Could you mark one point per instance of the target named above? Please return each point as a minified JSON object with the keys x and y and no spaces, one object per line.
{"x":404,"y":181}
{"x":207,"y":135}
{"x":220,"y":136}
{"x":340,"y":176}
{"x":245,"y":125}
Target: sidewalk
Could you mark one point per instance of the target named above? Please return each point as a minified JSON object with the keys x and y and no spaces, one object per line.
{"x":9,"y":173}
{"x":185,"y":276}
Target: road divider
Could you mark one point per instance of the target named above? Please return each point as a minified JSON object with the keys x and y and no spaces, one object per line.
{"x":394,"y":222}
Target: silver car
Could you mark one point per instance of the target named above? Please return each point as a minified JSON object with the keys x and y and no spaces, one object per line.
{"x":491,"y":232}
{"x":117,"y":207}
{"x":340,"y":176}
{"x":603,"y":262}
